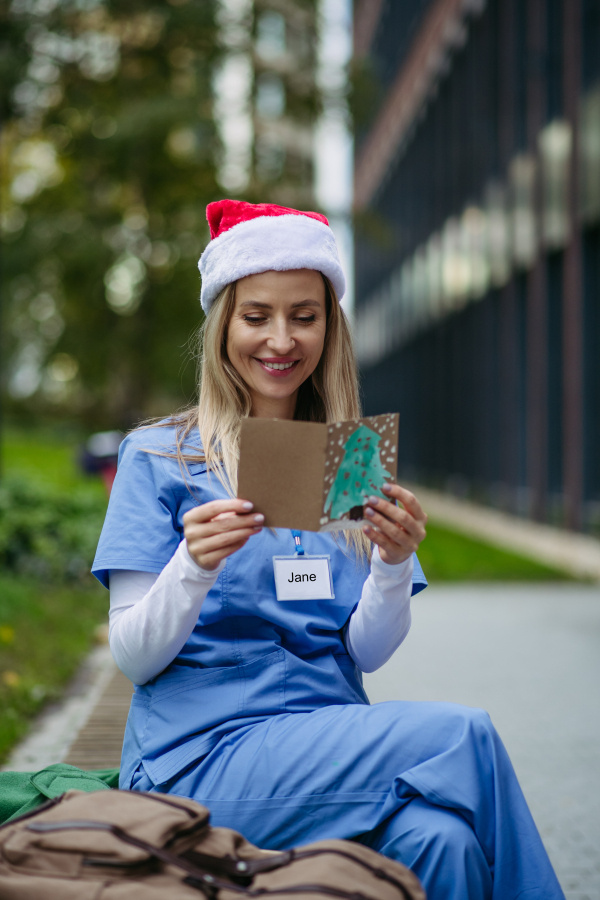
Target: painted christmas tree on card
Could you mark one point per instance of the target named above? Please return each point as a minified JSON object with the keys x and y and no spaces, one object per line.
{"x":316,"y":477}
{"x":360,"y":473}
{"x":361,"y":458}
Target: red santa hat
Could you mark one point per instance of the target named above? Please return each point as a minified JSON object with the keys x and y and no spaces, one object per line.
{"x":247,"y":238}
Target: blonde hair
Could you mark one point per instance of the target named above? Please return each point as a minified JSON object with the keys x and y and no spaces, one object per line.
{"x":331,"y":394}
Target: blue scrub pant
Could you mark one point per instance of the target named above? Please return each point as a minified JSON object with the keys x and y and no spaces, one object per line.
{"x":429,"y":784}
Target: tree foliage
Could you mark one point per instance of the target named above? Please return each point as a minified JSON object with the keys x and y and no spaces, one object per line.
{"x":107,"y":152}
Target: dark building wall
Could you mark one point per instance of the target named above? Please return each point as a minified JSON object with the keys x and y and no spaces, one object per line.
{"x":591,"y":254}
{"x":498,"y":389}
{"x":453,"y":152}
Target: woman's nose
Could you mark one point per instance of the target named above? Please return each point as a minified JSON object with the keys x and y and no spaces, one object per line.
{"x":281,"y":341}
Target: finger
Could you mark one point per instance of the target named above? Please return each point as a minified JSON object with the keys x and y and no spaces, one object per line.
{"x":407,"y":499}
{"x":399,"y":516}
{"x":392,"y":531}
{"x":204,"y":545}
{"x":395,"y":513}
{"x":395,"y":551}
{"x":210,"y":554}
{"x":212,"y":560}
{"x":206,"y":511}
{"x":221,"y":524}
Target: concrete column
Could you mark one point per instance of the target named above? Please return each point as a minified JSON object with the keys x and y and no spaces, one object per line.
{"x":537,"y":314}
{"x":573,"y":284}
{"x":508,"y":327}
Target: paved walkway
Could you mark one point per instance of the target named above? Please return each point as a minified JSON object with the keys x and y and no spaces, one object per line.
{"x":98,"y":745}
{"x":530,"y":656}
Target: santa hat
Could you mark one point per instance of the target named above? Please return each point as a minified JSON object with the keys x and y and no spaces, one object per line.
{"x":247,"y":238}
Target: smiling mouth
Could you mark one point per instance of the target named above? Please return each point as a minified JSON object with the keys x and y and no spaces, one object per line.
{"x":278,"y":366}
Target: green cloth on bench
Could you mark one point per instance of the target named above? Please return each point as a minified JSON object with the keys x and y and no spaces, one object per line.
{"x":20,"y":792}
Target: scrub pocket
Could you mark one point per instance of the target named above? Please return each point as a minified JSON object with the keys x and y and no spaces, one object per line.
{"x":180,"y":712}
{"x":324,"y":680}
{"x":353,"y":676}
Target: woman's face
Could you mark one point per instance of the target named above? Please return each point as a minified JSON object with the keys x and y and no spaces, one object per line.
{"x":276,"y":335}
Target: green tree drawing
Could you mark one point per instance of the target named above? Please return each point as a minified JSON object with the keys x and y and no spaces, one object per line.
{"x":359,"y":475}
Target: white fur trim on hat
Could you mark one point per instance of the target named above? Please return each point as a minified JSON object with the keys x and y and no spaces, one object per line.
{"x":269,"y":243}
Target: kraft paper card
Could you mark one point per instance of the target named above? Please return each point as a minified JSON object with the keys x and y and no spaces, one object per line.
{"x":316,"y":477}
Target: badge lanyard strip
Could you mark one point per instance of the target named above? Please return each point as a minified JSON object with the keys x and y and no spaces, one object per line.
{"x":297,"y":540}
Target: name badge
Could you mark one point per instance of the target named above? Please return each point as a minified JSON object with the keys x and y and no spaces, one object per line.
{"x":303,"y":577}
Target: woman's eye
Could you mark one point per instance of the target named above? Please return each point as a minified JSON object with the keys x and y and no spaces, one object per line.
{"x":259,"y":320}
{"x":254,"y":320}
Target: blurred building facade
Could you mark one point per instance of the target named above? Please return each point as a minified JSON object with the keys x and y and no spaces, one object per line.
{"x":477,"y":196}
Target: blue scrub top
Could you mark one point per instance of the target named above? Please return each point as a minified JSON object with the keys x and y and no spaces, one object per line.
{"x":249,"y":656}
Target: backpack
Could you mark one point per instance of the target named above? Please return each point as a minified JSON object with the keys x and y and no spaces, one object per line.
{"x":129,"y":845}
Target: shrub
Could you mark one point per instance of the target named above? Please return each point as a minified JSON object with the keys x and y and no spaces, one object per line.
{"x":48,"y":533}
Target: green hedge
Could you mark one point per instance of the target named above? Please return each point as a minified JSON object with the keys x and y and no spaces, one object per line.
{"x":47,"y":533}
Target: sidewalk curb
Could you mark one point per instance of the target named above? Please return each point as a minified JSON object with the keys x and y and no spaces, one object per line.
{"x":578,"y":554}
{"x":57,"y":727}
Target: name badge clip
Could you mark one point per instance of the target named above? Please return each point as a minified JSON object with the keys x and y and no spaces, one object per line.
{"x":303,"y":576}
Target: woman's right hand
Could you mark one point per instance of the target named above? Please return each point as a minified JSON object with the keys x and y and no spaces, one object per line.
{"x":217,"y":529}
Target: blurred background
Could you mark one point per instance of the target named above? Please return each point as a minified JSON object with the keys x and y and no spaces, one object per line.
{"x":471,"y":214}
{"x":455,"y":147}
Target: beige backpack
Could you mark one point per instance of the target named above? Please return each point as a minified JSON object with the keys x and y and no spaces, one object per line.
{"x":128,"y":845}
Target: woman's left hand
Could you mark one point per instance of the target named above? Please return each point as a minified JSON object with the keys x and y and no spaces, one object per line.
{"x":396,"y":531}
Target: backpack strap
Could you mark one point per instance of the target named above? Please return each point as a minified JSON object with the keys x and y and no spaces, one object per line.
{"x":241,"y":870}
{"x":196,"y":864}
{"x":206,"y":882}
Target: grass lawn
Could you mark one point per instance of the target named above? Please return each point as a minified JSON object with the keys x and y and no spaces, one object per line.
{"x":448,"y":556}
{"x":46,"y":457}
{"x":45,"y":632}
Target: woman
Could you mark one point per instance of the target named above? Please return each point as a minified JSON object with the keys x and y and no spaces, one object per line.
{"x":255,"y":707}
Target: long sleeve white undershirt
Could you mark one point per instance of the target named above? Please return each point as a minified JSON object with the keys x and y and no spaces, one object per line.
{"x":152,"y":616}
